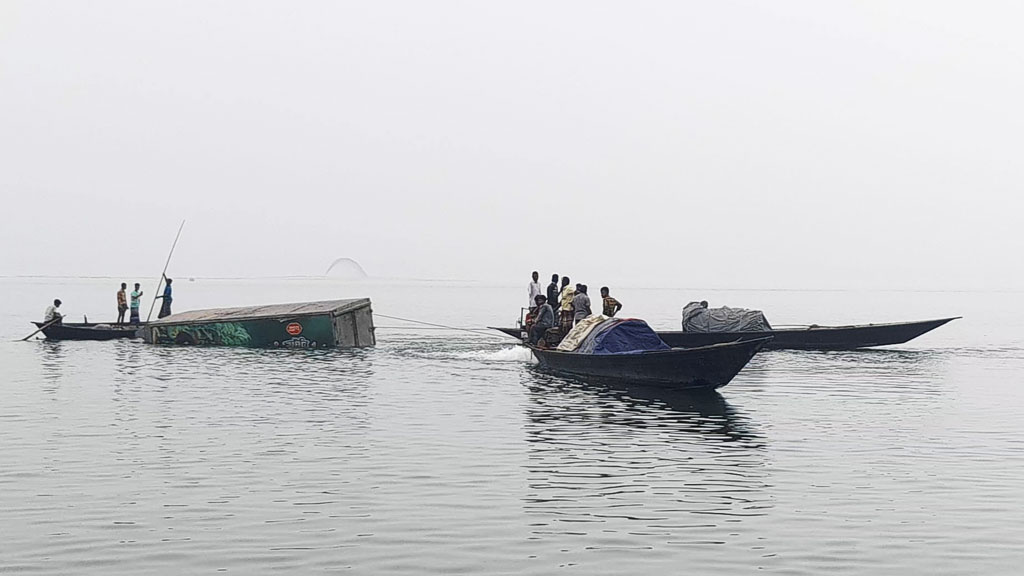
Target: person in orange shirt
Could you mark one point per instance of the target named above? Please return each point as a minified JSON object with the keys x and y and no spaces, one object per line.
{"x":122,"y":303}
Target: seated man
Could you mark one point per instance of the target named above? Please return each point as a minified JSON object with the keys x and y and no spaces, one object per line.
{"x":52,"y":315}
{"x":544,"y":318}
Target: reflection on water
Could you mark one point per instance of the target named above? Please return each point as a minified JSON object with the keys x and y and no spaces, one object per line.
{"x":129,"y":359}
{"x":872,"y":375}
{"x":51,"y":363}
{"x":640,"y":465}
{"x":161,"y":455}
{"x":441,"y":454}
{"x":646,"y":406}
{"x":904,"y":361}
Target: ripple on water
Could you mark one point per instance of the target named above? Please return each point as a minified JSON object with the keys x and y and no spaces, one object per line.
{"x":441,"y":455}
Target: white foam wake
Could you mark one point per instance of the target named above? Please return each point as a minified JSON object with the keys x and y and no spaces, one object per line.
{"x":509,"y":354}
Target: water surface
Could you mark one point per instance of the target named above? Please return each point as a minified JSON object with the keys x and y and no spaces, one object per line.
{"x":448,"y":452}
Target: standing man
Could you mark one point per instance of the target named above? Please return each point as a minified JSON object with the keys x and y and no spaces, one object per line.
{"x":611,"y":305}
{"x":565,"y":306}
{"x":534,"y":290}
{"x":136,"y":297}
{"x":553,"y":292}
{"x":165,"y":306}
{"x":122,"y":303}
{"x":543,"y":319}
{"x":580,"y":304}
{"x":51,"y":314}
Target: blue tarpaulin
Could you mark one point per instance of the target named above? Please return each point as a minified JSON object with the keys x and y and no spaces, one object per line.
{"x":628,"y":337}
{"x":588,"y":343}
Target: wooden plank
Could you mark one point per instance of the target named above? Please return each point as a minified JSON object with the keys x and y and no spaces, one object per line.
{"x":346,"y":331}
{"x":364,"y":327}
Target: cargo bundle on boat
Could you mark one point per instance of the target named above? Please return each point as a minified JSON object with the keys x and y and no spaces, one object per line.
{"x":326,"y":324}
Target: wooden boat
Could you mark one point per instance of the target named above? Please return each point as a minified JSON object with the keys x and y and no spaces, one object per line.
{"x":513,"y":332}
{"x":816,"y":337}
{"x":706,"y":367}
{"x":88,"y":331}
{"x":806,"y":338}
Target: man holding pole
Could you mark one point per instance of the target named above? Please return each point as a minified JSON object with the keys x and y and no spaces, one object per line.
{"x":165,"y":306}
{"x":52,"y":316}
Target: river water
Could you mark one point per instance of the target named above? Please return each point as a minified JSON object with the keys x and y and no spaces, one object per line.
{"x":441,"y":452}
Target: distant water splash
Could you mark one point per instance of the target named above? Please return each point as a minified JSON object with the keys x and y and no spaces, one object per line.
{"x":480,"y":350}
{"x":506,"y":354}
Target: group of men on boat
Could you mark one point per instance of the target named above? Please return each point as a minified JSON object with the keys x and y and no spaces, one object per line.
{"x":53,"y":316}
{"x":572,"y":305}
{"x":122,"y":304}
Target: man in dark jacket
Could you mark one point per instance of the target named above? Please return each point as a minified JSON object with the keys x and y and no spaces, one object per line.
{"x":544,"y":319}
{"x":580,"y":304}
{"x":553,"y":291}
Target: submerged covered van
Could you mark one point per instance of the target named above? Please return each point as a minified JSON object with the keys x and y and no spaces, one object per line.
{"x":324,"y":324}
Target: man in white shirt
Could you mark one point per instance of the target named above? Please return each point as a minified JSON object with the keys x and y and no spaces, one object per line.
{"x":535,"y":290}
{"x":52,"y":314}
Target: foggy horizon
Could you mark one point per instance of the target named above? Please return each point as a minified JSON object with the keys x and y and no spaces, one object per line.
{"x":732,"y":145}
{"x":807,"y":361}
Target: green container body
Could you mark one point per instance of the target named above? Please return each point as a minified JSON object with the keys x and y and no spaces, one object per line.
{"x":304,"y":332}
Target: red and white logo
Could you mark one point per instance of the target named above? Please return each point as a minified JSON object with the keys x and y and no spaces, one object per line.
{"x":293,"y":329}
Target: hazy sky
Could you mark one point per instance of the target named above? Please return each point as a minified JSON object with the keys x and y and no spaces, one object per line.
{"x":722,"y":144}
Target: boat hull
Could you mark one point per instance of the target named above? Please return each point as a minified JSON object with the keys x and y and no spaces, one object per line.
{"x":815,"y":338}
{"x":513,"y":332}
{"x":704,"y":368}
{"x":88,"y":331}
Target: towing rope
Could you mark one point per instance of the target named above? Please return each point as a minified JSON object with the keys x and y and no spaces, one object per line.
{"x":480,"y":332}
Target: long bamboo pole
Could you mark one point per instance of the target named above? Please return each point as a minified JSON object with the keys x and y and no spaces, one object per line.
{"x":41,"y":328}
{"x":164,"y":273}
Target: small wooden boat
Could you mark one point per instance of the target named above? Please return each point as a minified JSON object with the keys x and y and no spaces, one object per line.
{"x":706,"y":367}
{"x":88,"y":331}
{"x":807,"y":338}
